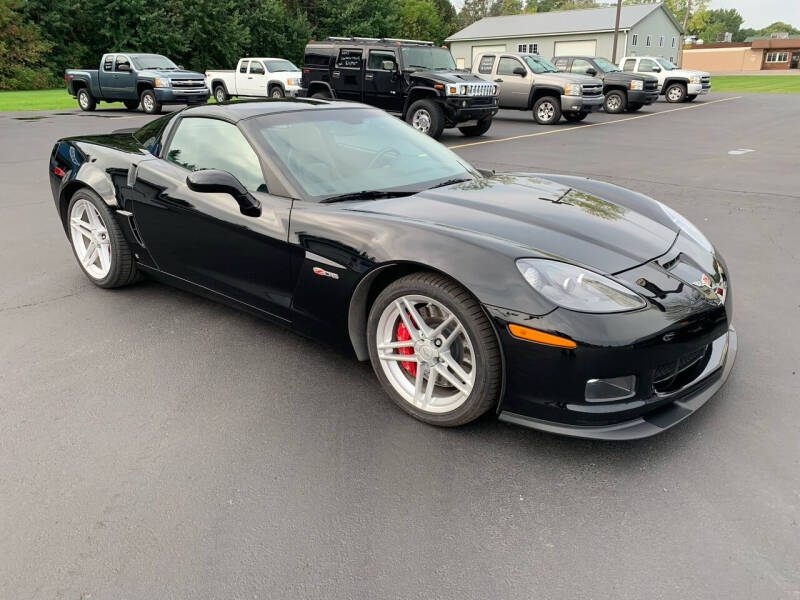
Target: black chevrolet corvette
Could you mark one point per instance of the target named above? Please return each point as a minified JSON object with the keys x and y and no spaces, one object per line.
{"x":561,"y":303}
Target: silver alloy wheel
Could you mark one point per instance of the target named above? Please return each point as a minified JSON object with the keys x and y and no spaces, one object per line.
{"x":276,"y":93}
{"x":545,"y":111}
{"x":674,"y":93}
{"x":441,"y":350}
{"x":613,"y":102}
{"x":90,"y":239}
{"x":421,"y":120}
{"x":83,"y":99}
{"x":219,"y":94}
{"x":147,"y":102}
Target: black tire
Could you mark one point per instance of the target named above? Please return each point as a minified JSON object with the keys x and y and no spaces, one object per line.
{"x":131,"y":104}
{"x":634,"y":106}
{"x":675,"y":93}
{"x":123,"y":267}
{"x":486,"y":389}
{"x":690,"y":97}
{"x":149,"y":103}
{"x":220,"y":93}
{"x":615,"y":102}
{"x":321,"y":95}
{"x":479,"y":129}
{"x":276,"y":91}
{"x":429,"y":117}
{"x":547,"y":110}
{"x":575,"y":117}
{"x":85,"y":100}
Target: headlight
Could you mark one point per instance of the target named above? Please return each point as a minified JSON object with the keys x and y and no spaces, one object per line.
{"x":162,"y":82}
{"x":576,"y":288}
{"x":687,"y":227}
{"x":494,"y":90}
{"x":462,"y":90}
{"x":694,"y":79}
{"x":637,"y":84}
{"x":293,"y":81}
{"x":572,"y":89}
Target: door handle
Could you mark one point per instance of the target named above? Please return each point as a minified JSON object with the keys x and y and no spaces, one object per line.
{"x":498,"y":80}
{"x":249,"y":77}
{"x":369,"y":76}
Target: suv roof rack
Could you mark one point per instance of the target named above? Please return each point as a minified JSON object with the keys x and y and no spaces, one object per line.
{"x":364,"y":40}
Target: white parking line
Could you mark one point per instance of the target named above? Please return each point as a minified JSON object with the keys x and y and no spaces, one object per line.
{"x":562,"y":130}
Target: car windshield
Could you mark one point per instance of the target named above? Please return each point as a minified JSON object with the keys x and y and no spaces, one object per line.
{"x":666,"y":64}
{"x":152,"y":61}
{"x":427,"y":57}
{"x":539,"y":65}
{"x":606,"y":65}
{"x":331,"y":153}
{"x":279,"y":66}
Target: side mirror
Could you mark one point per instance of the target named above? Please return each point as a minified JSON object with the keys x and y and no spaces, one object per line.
{"x":591,"y":72}
{"x":123,"y":67}
{"x":520,"y":71}
{"x":180,"y":66}
{"x":222,"y":182}
{"x":656,"y":69}
{"x":388,"y":65}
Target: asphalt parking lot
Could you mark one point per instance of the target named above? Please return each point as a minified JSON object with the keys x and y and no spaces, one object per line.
{"x":157,"y":445}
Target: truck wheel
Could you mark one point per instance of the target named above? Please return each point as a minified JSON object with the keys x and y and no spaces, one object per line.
{"x":85,"y":100}
{"x":676,"y":92}
{"x":691,"y":97}
{"x":426,"y":116}
{"x":220,"y":95}
{"x":131,"y":104}
{"x":149,"y":103}
{"x":547,"y":110}
{"x":479,"y":129}
{"x":321,"y":95}
{"x":276,"y":92}
{"x":633,"y":106}
{"x":575,"y":117}
{"x":615,"y":102}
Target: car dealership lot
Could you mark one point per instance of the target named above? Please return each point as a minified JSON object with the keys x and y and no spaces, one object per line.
{"x":155,"y":444}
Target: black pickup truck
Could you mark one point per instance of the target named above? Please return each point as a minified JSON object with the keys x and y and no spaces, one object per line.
{"x":411,"y":78}
{"x":622,"y":91}
{"x":150,"y":79}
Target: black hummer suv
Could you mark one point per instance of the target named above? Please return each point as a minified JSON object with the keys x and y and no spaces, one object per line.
{"x":411,"y":78}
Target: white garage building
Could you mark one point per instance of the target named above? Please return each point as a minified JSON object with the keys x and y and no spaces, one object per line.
{"x":644,"y":29}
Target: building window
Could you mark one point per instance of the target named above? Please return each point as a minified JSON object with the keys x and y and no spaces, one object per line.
{"x":647,"y":41}
{"x":673,"y":41}
{"x":528,"y":48}
{"x":635,"y":39}
{"x":661,"y":41}
{"x":776,"y":57}
{"x":672,"y":59}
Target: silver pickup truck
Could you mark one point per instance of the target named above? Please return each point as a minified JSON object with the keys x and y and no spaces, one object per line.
{"x":529,"y":82}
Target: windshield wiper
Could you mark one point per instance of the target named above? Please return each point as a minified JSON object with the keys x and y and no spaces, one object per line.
{"x":368,"y":195}
{"x":450,"y":182}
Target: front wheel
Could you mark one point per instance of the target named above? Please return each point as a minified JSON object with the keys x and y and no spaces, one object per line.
{"x":85,"y":100}
{"x":575,"y":117}
{"x":615,"y":102}
{"x":149,"y":103}
{"x":676,"y":93}
{"x":321,"y":95}
{"x":276,"y":92}
{"x":479,"y":129}
{"x":426,"y":116}
{"x":131,"y":104}
{"x":434,"y":350}
{"x":547,"y":110}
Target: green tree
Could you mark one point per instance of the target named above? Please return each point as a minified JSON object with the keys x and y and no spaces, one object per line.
{"x":419,"y":20}
{"x":276,"y":29}
{"x":708,"y":24}
{"x":506,"y":7}
{"x":22,"y":51}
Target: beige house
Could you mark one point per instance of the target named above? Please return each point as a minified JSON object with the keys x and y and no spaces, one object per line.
{"x":755,"y":55}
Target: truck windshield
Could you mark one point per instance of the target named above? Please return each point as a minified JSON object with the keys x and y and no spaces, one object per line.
{"x":427,"y":57}
{"x":666,"y":64}
{"x":355,"y":151}
{"x":152,"y":61}
{"x":539,"y":65}
{"x":606,"y":65}
{"x":279,"y":66}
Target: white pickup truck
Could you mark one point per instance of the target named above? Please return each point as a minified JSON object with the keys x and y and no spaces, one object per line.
{"x":675,"y":84}
{"x":255,"y":78}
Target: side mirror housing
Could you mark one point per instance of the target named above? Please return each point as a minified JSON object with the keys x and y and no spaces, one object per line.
{"x":656,"y":69}
{"x":591,"y":72}
{"x":520,"y":71}
{"x":221,"y":182}
{"x":123,"y":67}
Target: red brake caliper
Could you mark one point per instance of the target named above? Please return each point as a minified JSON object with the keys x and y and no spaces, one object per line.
{"x":402,"y":336}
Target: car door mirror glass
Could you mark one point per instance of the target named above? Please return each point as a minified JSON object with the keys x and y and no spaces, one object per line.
{"x":221,"y":182}
{"x":656,"y":69}
{"x":123,"y":67}
{"x":387,"y":65}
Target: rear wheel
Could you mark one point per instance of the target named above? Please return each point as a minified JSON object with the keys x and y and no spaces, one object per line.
{"x":547,"y":110}
{"x":149,"y":103}
{"x":676,"y":92}
{"x":131,"y":104}
{"x":615,"y":102}
{"x":276,"y":92}
{"x":220,"y":95}
{"x":633,"y":107}
{"x":85,"y":100}
{"x":575,"y":117}
{"x":426,"y":116}
{"x":433,"y":350}
{"x":479,"y":129}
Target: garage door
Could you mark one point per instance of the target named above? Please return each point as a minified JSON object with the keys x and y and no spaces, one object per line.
{"x":576,"y":48}
{"x":481,"y":49}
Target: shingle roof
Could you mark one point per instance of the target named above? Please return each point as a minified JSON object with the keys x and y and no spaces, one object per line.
{"x":561,"y":21}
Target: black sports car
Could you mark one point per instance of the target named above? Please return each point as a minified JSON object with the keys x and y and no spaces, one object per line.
{"x":562,"y":303}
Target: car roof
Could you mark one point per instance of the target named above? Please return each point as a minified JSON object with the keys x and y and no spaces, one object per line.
{"x":584,"y":56}
{"x":245,"y":109}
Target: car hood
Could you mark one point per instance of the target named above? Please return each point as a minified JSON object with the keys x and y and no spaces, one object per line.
{"x":627,"y":76}
{"x":181,"y":74}
{"x":567,"y":77}
{"x":449,"y":76}
{"x":540,"y":217}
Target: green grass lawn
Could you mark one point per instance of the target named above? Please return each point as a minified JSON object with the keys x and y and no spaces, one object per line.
{"x":755,"y":83}
{"x":41,"y":100}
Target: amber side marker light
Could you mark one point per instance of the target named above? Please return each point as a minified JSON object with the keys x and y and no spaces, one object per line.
{"x":534,"y":335}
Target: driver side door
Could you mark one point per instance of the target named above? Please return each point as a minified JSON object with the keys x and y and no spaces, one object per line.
{"x":203,"y":238}
{"x":256,"y":80}
{"x":514,"y":88}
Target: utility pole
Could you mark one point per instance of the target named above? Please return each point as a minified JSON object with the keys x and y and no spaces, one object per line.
{"x":616,"y":33}
{"x":683,"y":33}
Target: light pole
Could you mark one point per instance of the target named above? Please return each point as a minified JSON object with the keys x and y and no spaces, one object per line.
{"x":616,"y":33}
{"x":683,"y":33}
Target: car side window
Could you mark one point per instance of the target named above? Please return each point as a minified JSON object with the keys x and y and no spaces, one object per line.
{"x":580,"y":65}
{"x":202,"y":143}
{"x":646,"y":65}
{"x":122,"y":60}
{"x":256,"y":68}
{"x":486,"y":64}
{"x":629,"y":65}
{"x":561,"y":63}
{"x":349,"y":58}
{"x":376,"y":58}
{"x":506,"y":66}
{"x":243,"y":66}
{"x":108,"y":63}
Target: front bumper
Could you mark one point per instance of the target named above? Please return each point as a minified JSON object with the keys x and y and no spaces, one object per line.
{"x":292,"y":91}
{"x":182,"y":96}
{"x":642,"y":96}
{"x":581,"y":103}
{"x":695,"y":89}
{"x":459,"y":109}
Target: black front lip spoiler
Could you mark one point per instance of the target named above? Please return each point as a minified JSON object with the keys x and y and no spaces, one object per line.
{"x":641,"y":427}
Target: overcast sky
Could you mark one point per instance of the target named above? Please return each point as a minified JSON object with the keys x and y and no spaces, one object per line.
{"x":760,"y":13}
